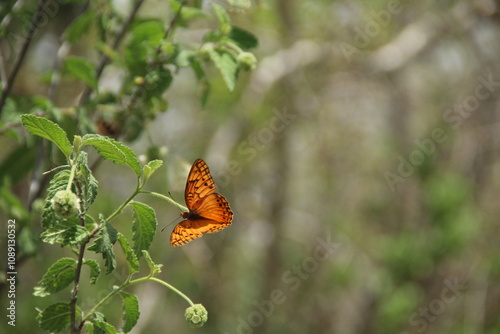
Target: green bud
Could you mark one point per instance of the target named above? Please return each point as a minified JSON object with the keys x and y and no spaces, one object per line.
{"x":196,"y":315}
{"x":247,"y":60}
{"x":65,"y":203}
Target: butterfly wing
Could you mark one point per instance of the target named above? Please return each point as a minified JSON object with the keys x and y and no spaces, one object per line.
{"x":198,"y":185}
{"x":213,"y":215}
{"x":215,"y":207}
{"x":189,"y":230}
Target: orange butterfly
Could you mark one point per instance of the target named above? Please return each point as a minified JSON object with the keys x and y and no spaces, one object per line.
{"x":209,"y":212}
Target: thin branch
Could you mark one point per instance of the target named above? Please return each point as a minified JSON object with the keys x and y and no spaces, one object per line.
{"x":171,"y":25}
{"x":104,"y":59}
{"x":22,"y":54}
{"x":74,"y":294}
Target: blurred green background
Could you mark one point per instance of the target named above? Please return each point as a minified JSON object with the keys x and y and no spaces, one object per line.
{"x":360,"y":159}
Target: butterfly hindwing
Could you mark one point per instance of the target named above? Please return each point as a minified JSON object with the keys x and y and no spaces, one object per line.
{"x":215,"y":207}
{"x":189,"y":230}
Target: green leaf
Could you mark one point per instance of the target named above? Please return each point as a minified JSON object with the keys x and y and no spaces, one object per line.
{"x":154,"y":268}
{"x":227,"y":66}
{"x":79,"y":27}
{"x":113,"y":150}
{"x":203,"y":84}
{"x":10,"y":204}
{"x":82,"y":69}
{"x":57,"y":277}
{"x":143,"y":227}
{"x":106,"y":238}
{"x":223,"y":18}
{"x":55,"y":317}
{"x":106,"y":327}
{"x":17,"y":163}
{"x":65,"y":232}
{"x":130,"y":311}
{"x":95,"y":270}
{"x":244,"y":39}
{"x":151,"y":168}
{"x":44,"y":128}
{"x":59,"y":182}
{"x":89,"y":184}
{"x":145,"y":38}
{"x":133,"y":263}
{"x":100,"y":317}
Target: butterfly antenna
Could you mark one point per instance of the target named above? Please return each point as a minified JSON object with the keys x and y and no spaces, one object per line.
{"x":169,"y":224}
{"x":172,"y":197}
{"x":177,"y":207}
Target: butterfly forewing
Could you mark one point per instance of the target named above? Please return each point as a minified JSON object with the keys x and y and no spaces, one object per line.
{"x":199,"y":184}
{"x":209,"y":212}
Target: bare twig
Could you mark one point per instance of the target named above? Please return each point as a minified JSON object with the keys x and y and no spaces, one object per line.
{"x":22,"y":54}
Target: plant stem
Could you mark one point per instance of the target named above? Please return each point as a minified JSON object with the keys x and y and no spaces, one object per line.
{"x":128,"y":200}
{"x":71,"y":177}
{"x":74,"y":294}
{"x":166,"y":198}
{"x":127,"y":284}
{"x":22,"y":54}
{"x":173,"y":289}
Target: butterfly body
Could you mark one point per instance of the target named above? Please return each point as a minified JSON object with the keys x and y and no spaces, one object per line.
{"x":209,"y":212}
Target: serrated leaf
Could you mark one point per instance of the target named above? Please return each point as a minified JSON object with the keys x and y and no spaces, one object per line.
{"x":79,"y":26}
{"x":55,"y":317}
{"x":143,"y":227}
{"x":81,"y":69}
{"x":130,"y":311}
{"x":57,"y":277}
{"x":106,"y":327}
{"x":113,"y":150}
{"x":101,"y":317}
{"x":89,"y":184}
{"x":95,"y":270}
{"x":227,"y":66}
{"x":58,"y":182}
{"x":154,"y":268}
{"x":65,"y":232}
{"x":106,"y":238}
{"x":132,"y":261}
{"x":44,"y":128}
{"x":244,"y":39}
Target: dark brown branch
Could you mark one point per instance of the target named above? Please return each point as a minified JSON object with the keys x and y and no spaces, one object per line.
{"x":22,"y":54}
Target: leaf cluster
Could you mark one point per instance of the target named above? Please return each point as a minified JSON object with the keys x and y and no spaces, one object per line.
{"x":83,"y":229}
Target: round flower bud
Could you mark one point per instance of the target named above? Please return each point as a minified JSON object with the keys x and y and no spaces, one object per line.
{"x":139,"y":81}
{"x":65,"y":203}
{"x":247,"y":60}
{"x":196,"y":315}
